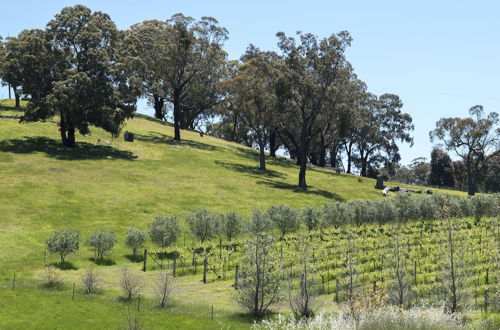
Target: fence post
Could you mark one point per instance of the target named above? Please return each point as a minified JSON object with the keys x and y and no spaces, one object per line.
{"x":374,"y":286}
{"x":145,"y":260}
{"x":14,"y":282}
{"x":415,"y":271}
{"x":74,"y":285}
{"x":337,"y":290}
{"x":212,"y":311}
{"x":236,"y":277}
{"x":139,"y":303}
{"x":486,"y":301}
{"x":205,"y":267}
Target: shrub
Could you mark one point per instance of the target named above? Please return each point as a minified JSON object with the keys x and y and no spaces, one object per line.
{"x":131,"y":283}
{"x":135,"y":239}
{"x":63,"y":242}
{"x":311,"y":218}
{"x":91,"y":280}
{"x":101,"y":242}
{"x":259,"y":223}
{"x":164,"y":231}
{"x":52,"y":277}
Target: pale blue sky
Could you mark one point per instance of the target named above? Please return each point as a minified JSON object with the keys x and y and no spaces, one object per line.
{"x":440,"y":57}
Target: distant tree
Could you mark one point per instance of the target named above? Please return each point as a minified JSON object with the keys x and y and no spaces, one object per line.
{"x":135,"y":239}
{"x":459,"y":174}
{"x":441,"y":173}
{"x":253,"y":90}
{"x":164,"y":231}
{"x":490,"y":178}
{"x":163,"y":287}
{"x":203,"y":224}
{"x":285,"y":219}
{"x":259,"y":283}
{"x":180,"y":61}
{"x":310,"y":69}
{"x":231,"y":225}
{"x":475,"y":139}
{"x":101,"y":242}
{"x":72,"y":70}
{"x":63,"y":242}
{"x":11,"y":72}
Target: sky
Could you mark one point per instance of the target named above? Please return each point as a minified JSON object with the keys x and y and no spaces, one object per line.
{"x":441,"y":57}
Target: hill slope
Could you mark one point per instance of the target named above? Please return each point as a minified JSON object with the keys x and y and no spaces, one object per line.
{"x":46,"y":187}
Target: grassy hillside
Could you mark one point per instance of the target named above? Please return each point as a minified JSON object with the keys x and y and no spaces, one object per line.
{"x":45,"y":187}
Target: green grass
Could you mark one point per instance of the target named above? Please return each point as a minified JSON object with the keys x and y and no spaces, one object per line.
{"x":45,"y":187}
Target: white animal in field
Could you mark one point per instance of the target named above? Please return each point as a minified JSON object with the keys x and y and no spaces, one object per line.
{"x":109,"y":142}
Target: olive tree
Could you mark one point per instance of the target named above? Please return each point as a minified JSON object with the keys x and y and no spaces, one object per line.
{"x":164,"y":231}
{"x":101,"y":242}
{"x":203,"y":224}
{"x":63,"y":242}
{"x":285,"y":219}
{"x":231,"y":225}
{"x":311,"y":218}
{"x":135,"y":239}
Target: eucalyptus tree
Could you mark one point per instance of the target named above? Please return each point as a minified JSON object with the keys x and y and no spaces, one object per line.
{"x":72,"y":70}
{"x":475,"y":139}
{"x":311,"y":68}
{"x":10,"y":66}
{"x":180,"y":62}
{"x":381,"y":124}
{"x":252,"y":90}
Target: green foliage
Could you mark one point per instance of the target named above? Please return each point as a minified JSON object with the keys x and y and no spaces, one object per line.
{"x":260,"y":223}
{"x":260,"y":284}
{"x":63,"y":242}
{"x":311,"y":218}
{"x":71,"y":70}
{"x":337,"y":214}
{"x":284,"y":218}
{"x":101,"y":242}
{"x":203,"y":224}
{"x":164,"y":231}
{"x":135,"y":239}
{"x":231,"y":224}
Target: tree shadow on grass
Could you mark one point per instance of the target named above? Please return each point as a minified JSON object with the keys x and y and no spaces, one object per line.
{"x":254,"y":155}
{"x":103,"y":262}
{"x":134,"y":258}
{"x":154,"y":137}
{"x":310,"y":190}
{"x":54,"y":148}
{"x":250,"y":170}
{"x":64,"y":265}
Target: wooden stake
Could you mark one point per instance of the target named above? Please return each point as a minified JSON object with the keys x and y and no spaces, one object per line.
{"x":205,"y":267}
{"x":145,"y":260}
{"x":14,"y":282}
{"x":236,"y":277}
{"x":74,"y":285}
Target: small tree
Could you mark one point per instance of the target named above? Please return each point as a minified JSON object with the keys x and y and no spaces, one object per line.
{"x":91,"y":280}
{"x":163,"y":287}
{"x":302,"y":302}
{"x":63,"y":242}
{"x":259,"y":285}
{"x":164,"y":231}
{"x":285,"y":219}
{"x":101,"y":242}
{"x":260,"y":223}
{"x":203,"y":224}
{"x":232,"y":225}
{"x":311,"y":218}
{"x":135,"y":239}
{"x":400,"y":288}
{"x":131,"y":283}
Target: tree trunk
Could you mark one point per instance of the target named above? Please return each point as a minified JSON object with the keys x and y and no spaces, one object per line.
{"x":348,"y":150}
{"x":177,"y":120}
{"x":70,"y":142}
{"x":262,"y":155}
{"x":272,"y":143}
{"x":158,"y":106}
{"x":471,"y":182}
{"x":364,"y":164}
{"x":302,"y":158}
{"x":18,"y":98}
{"x":333,"y":157}
{"x":322,"y":152}
{"x":63,"y":129}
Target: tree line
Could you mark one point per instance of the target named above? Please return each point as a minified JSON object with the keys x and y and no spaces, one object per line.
{"x":305,"y":98}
